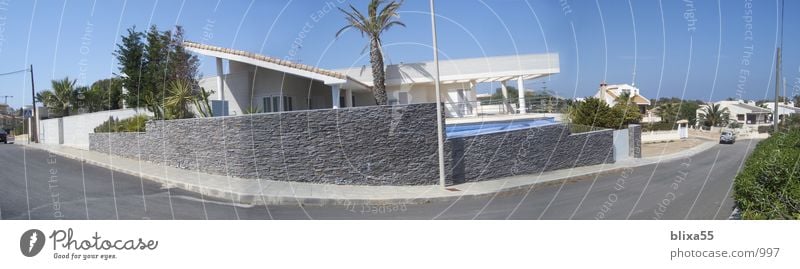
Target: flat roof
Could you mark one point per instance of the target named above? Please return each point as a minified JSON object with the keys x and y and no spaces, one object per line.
{"x":483,"y":69}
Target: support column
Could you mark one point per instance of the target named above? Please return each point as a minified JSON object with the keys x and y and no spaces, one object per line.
{"x":348,"y":98}
{"x":335,"y":93}
{"x":506,"y":104}
{"x":474,"y":104}
{"x":220,"y":80}
{"x":521,"y":93}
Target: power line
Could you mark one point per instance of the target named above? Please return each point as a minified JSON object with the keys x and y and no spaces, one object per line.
{"x":15,"y":72}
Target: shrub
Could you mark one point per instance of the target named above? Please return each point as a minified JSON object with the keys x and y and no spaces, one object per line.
{"x":768,"y":187}
{"x":659,"y":126}
{"x":112,"y":125}
{"x":595,"y":112}
{"x":764,"y":129}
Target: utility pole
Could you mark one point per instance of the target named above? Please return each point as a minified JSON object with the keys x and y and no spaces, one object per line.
{"x":5,"y":97}
{"x":33,"y":129}
{"x":775,"y":117}
{"x":439,"y":131}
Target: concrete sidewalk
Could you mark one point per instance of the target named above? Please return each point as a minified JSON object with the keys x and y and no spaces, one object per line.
{"x":248,"y":191}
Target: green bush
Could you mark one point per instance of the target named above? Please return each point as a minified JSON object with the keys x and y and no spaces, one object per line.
{"x":769,"y":187}
{"x":659,"y":126}
{"x":597,"y":113}
{"x":112,"y":125}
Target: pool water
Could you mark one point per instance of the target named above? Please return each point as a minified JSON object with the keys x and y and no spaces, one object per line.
{"x":479,"y":128}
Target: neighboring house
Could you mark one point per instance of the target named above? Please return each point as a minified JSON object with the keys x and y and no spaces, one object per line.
{"x":784,"y":109}
{"x":259,"y":83}
{"x":745,"y":113}
{"x":609,"y":93}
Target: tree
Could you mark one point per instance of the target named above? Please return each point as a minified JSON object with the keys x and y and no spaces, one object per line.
{"x":151,"y":62}
{"x":668,"y":112}
{"x":61,"y":98}
{"x":105,"y":94}
{"x":597,"y":113}
{"x":624,"y":98}
{"x":110,"y":91}
{"x":714,"y":116}
{"x":688,"y":111}
{"x":183,"y":65}
{"x":130,"y":58}
{"x":377,"y":21}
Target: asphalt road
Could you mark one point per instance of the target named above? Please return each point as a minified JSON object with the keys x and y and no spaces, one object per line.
{"x":37,"y":185}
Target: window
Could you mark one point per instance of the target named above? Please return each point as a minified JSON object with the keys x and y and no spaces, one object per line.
{"x":740,"y":117}
{"x":287,"y":103}
{"x":267,"y":105}
{"x":277,"y":103}
{"x":403,"y":98}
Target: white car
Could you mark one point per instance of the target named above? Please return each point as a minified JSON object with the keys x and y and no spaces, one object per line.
{"x":727,"y":137}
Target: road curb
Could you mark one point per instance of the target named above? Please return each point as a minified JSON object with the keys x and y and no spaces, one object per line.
{"x":257,"y":199}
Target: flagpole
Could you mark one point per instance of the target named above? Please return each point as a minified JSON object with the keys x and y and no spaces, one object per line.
{"x":439,"y":131}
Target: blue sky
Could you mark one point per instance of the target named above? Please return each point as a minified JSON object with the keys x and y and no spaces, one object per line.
{"x":596,"y":40}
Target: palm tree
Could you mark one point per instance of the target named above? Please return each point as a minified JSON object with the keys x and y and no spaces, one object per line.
{"x":668,"y":112}
{"x":61,"y":98}
{"x":624,"y":98}
{"x":714,"y":116}
{"x":378,"y":21}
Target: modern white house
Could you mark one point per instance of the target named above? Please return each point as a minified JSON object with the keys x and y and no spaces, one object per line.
{"x":259,"y":83}
{"x":609,"y":93}
{"x":784,"y":109}
{"x":745,"y":113}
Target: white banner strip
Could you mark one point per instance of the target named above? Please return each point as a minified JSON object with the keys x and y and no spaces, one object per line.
{"x":398,"y":244}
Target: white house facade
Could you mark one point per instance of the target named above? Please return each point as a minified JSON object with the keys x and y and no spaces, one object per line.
{"x":784,"y":109}
{"x":609,"y":94}
{"x":744,"y":113}
{"x":258,"y":83}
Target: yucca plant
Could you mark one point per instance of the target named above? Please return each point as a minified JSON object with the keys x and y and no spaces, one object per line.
{"x":176,"y":104}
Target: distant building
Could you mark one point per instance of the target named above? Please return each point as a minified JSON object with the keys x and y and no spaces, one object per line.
{"x":743,"y":112}
{"x":610,"y":93}
{"x":784,"y":109}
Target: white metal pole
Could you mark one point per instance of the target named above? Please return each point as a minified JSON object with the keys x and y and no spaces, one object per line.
{"x":439,"y":131}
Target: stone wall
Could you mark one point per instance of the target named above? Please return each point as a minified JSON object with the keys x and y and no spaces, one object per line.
{"x":378,"y":145}
{"x":635,"y":140}
{"x":529,"y":151}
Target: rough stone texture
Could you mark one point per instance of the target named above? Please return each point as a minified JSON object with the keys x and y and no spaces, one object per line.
{"x":379,"y":145}
{"x":121,"y":144}
{"x":528,"y":151}
{"x":635,"y":140}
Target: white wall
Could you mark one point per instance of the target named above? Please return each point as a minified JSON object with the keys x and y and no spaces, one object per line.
{"x":76,"y":129}
{"x":426,"y":93}
{"x":660,"y":136}
{"x":243,"y":92}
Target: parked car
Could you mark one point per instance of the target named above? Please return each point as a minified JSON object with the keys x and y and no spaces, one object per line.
{"x":6,"y":137}
{"x":727,"y":137}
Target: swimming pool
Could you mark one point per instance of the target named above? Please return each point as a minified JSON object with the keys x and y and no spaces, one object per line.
{"x":479,"y":128}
